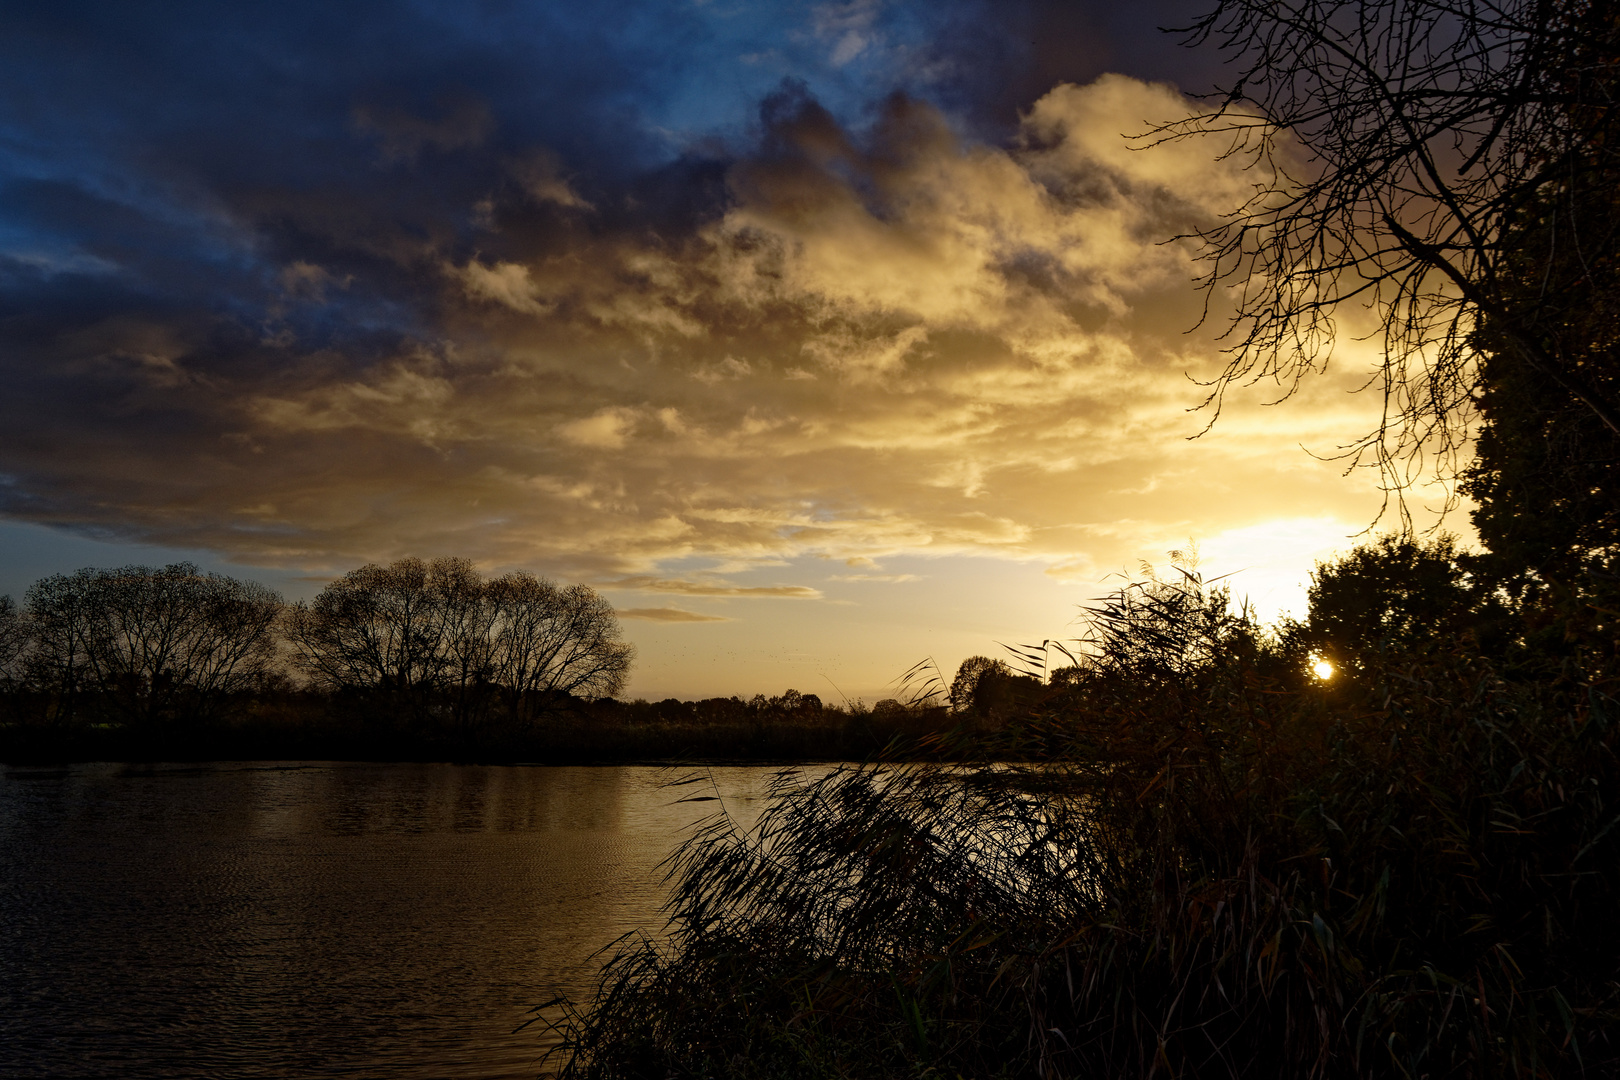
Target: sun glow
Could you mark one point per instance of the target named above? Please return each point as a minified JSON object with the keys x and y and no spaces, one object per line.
{"x":1321,"y":668}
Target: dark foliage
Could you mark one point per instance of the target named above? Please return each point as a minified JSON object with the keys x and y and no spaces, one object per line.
{"x":143,"y":646}
{"x":1218,"y":868}
{"x":432,"y":644}
{"x":1393,"y":597}
{"x":1546,"y":475}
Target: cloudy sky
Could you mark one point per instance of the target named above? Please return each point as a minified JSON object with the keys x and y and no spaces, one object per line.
{"x":821,"y":337}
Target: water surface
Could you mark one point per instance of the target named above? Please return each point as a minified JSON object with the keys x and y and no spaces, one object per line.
{"x":320,"y":920}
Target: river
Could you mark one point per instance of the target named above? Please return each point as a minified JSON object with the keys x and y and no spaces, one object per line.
{"x":254,"y":919}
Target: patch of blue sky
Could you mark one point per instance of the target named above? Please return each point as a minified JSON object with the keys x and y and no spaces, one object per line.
{"x":91,"y":199}
{"x":696,"y":71}
{"x":848,"y":56}
{"x":47,"y":254}
{"x":29,"y":552}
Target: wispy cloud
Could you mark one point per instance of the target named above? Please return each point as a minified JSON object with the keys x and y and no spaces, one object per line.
{"x":891,"y":578}
{"x":647,"y":583}
{"x":669,"y":615}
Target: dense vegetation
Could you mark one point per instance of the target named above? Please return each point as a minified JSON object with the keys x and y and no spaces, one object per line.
{"x":1210,"y":862}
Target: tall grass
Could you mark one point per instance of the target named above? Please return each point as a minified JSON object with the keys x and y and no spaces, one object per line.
{"x":1209,"y":866}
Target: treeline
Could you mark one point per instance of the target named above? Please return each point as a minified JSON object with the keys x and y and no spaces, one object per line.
{"x":417,"y":659}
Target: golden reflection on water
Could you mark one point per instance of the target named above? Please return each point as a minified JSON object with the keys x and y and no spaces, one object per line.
{"x":320,"y":919}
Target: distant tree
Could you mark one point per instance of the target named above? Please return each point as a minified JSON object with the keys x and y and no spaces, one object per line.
{"x":1399,"y":147}
{"x":1067,"y":677}
{"x":467,"y":616}
{"x":57,"y":663}
{"x":550,"y":640}
{"x":419,"y":638}
{"x":1389,"y":598}
{"x":965,"y":686}
{"x":149,"y":645}
{"x":377,"y":630}
{"x":14,"y":638}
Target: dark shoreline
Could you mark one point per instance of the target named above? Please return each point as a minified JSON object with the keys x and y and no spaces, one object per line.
{"x":570,"y":742}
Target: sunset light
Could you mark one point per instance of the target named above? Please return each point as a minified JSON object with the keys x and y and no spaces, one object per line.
{"x":769,"y":538}
{"x":885,"y":350}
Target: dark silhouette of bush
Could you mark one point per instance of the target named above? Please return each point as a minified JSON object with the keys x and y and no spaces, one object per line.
{"x":1218,"y":867}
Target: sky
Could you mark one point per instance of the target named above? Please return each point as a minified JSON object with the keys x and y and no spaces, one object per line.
{"x":822,"y":338}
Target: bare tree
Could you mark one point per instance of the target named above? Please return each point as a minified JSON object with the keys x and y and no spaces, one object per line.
{"x":151,"y":644}
{"x":552,"y":640}
{"x":467,"y":617}
{"x":378,"y":629}
{"x":1400,"y":148}
{"x":14,"y":638}
{"x":58,"y":612}
{"x":426,"y":636}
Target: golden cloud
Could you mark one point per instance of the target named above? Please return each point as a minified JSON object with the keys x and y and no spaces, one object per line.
{"x":889,"y":341}
{"x":647,"y":583}
{"x":668,"y":615}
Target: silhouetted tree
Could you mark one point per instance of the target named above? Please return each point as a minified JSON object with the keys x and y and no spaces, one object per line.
{"x":467,"y":617}
{"x":1398,"y":146}
{"x":378,"y":630}
{"x":151,"y":645}
{"x":965,"y":685}
{"x":1388,"y":598}
{"x":416,"y":638}
{"x":550,"y":640}
{"x":14,"y":637}
{"x":1546,"y":474}
{"x":57,"y":662}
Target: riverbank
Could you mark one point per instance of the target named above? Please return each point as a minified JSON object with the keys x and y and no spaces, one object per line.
{"x":606,"y":732}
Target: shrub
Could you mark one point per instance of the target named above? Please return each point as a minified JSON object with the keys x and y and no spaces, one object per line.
{"x":1216,"y":868}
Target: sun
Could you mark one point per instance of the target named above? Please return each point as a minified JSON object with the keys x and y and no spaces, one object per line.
{"x":1322,"y":668}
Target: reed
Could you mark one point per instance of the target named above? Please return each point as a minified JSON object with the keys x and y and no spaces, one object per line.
{"x":1207,"y":865}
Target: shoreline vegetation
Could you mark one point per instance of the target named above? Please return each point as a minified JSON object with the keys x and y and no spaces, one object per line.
{"x":291,"y":725}
{"x":1210,"y":862}
{"x":419,"y":660}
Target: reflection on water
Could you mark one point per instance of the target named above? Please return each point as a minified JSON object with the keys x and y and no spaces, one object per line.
{"x":249,"y":919}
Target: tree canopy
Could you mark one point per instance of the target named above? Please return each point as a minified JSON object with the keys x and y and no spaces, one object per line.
{"x":1439,"y":164}
{"x":417,"y":636}
{"x":1385,"y":598}
{"x":148,"y":644}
